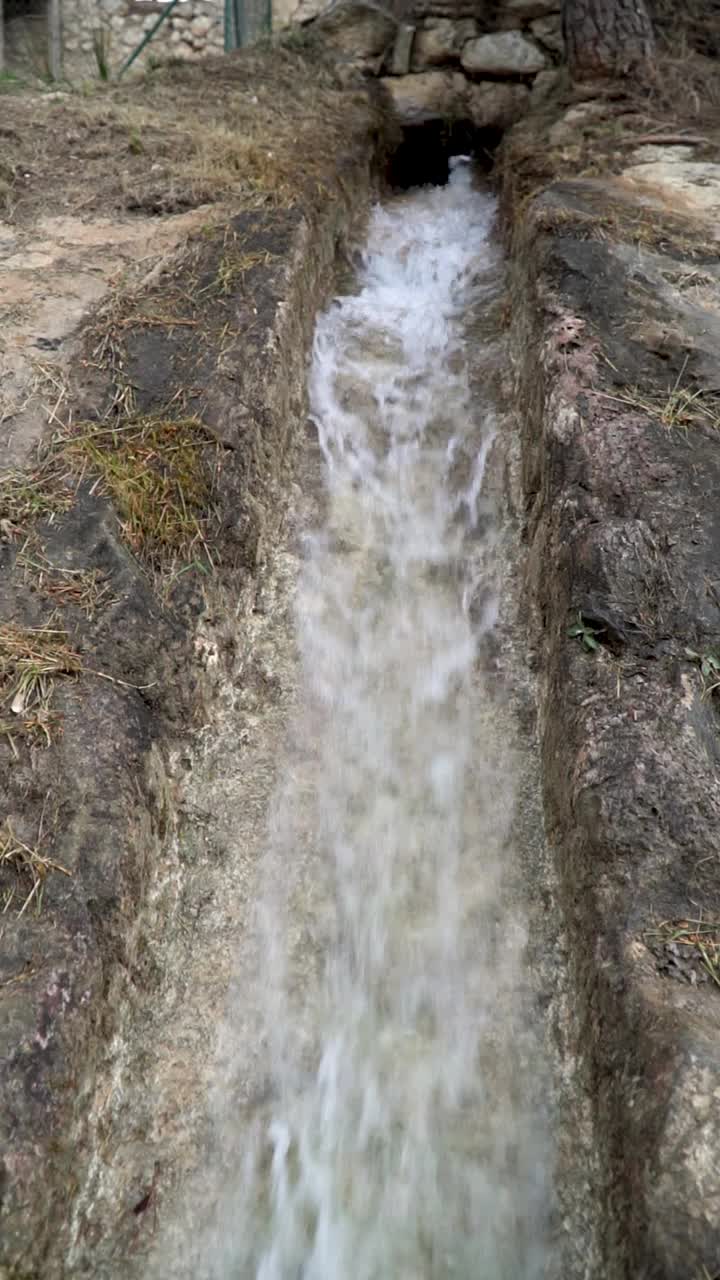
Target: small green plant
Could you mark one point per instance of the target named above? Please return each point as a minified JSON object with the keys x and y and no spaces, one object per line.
{"x":586,"y":634}
{"x":709,"y":664}
{"x":9,"y":82}
{"x":101,"y":51}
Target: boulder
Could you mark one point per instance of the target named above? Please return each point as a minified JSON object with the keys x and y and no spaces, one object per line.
{"x":504,"y":53}
{"x":200,"y":25}
{"x":430,"y":95}
{"x":548,"y":32}
{"x":690,"y":186}
{"x":440,"y":40}
{"x":493,"y":105}
{"x":355,"y":31}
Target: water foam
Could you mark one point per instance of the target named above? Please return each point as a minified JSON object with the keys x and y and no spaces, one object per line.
{"x":394,"y":1142}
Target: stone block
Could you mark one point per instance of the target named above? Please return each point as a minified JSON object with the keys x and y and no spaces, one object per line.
{"x":504,"y":53}
{"x":402,"y":50}
{"x":543,"y":86}
{"x":548,"y":32}
{"x":430,"y":95}
{"x":494,"y":105}
{"x":356,"y":30}
{"x":440,"y":40}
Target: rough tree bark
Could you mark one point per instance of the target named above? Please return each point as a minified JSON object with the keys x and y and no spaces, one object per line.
{"x":607,"y":37}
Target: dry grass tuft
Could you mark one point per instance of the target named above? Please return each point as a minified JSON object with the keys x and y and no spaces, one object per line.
{"x":281,"y":130}
{"x":690,"y":946}
{"x":156,"y":473}
{"x":235,"y":262}
{"x":679,"y":407}
{"x":31,"y":659}
{"x":86,"y":589}
{"x":29,"y":866}
{"x":264,"y":126}
{"x":683,"y":89}
{"x":695,"y":24}
{"x":28,"y":496}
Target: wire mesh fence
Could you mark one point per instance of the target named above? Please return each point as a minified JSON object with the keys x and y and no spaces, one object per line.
{"x":246,"y":21}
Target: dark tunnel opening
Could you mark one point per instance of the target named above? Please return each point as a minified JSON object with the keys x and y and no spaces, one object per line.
{"x":425,"y":151}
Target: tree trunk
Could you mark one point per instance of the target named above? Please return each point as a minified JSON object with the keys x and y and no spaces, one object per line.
{"x":607,"y":37}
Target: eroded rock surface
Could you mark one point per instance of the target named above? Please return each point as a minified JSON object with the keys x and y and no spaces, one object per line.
{"x":618,"y":359}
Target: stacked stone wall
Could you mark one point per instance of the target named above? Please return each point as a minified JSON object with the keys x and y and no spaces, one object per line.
{"x":446,"y":60}
{"x":107,"y":31}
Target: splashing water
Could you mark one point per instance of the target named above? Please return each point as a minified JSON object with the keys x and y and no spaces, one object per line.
{"x":397,"y":1143}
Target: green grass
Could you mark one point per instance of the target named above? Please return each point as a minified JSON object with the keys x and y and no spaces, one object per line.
{"x":10,"y":83}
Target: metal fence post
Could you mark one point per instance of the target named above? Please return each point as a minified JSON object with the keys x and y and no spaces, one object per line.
{"x":54,"y":21}
{"x":147,"y":37}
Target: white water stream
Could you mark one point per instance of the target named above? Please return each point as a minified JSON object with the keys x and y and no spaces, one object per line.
{"x":396,"y":1139}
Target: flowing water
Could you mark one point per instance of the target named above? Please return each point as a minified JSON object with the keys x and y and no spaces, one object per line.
{"x":396,"y":1136}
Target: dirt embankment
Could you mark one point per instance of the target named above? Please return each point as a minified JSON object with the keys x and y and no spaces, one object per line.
{"x":166,"y":247}
{"x":616,"y":318}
